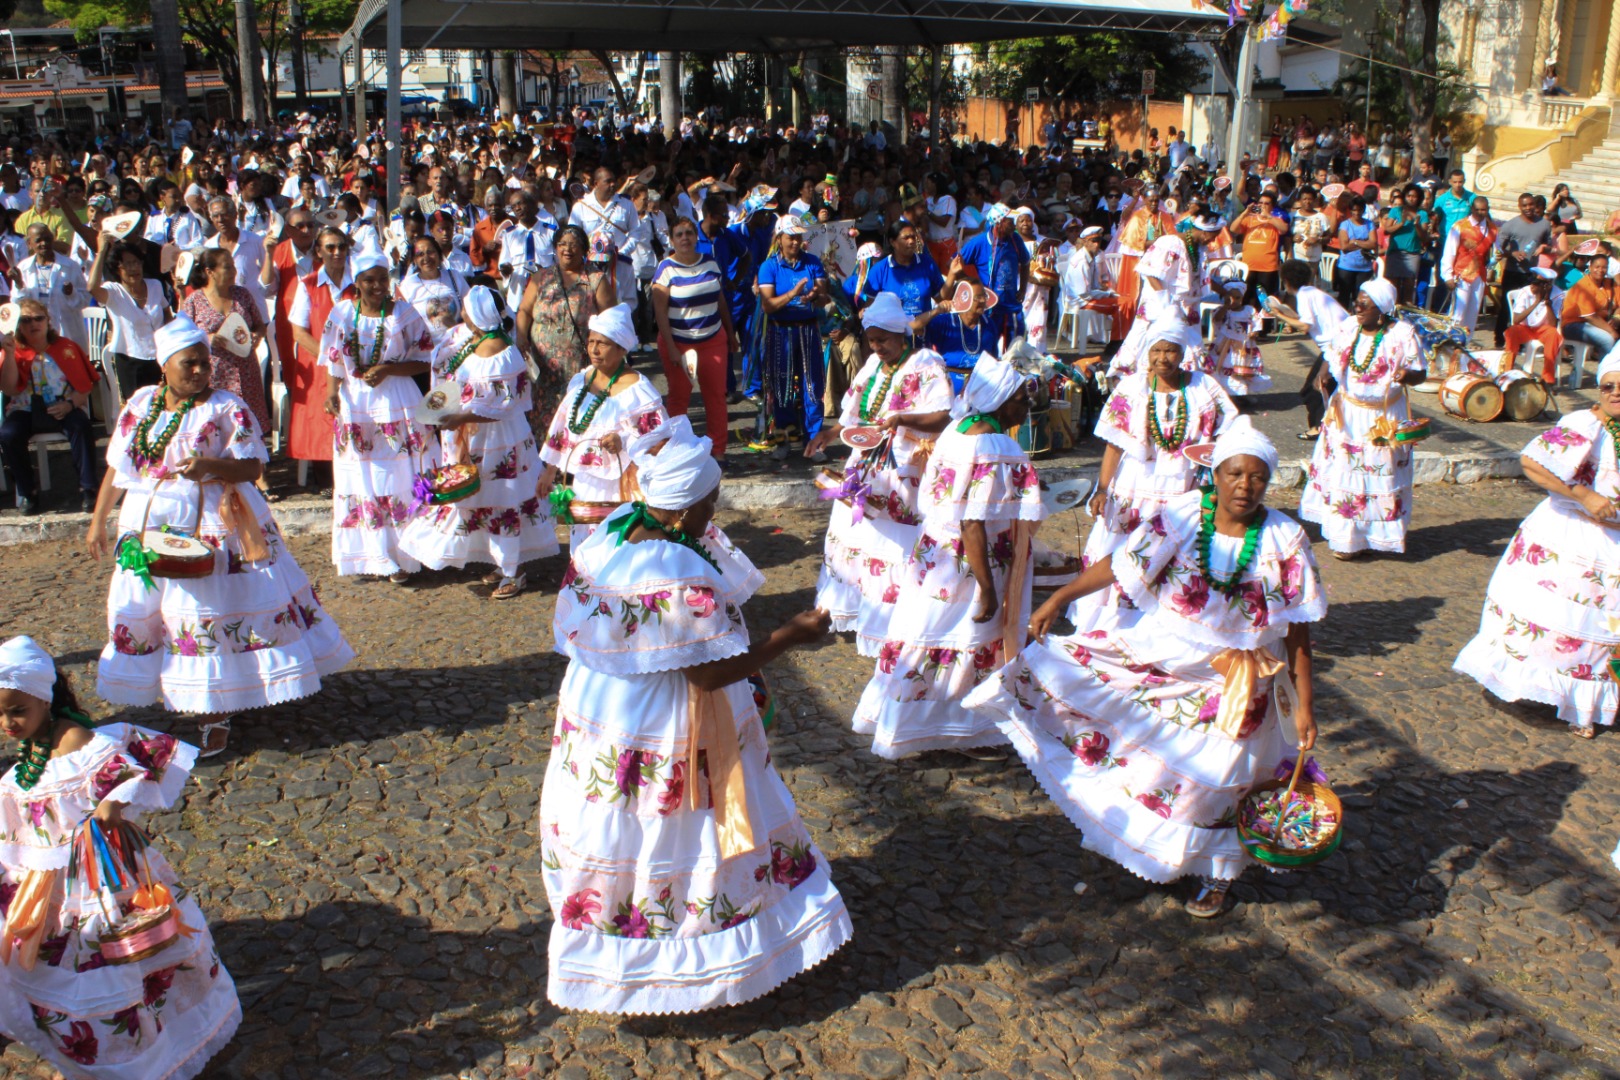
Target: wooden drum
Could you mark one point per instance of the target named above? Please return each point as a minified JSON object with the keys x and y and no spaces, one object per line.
{"x":1471,"y":396}
{"x":1523,"y":396}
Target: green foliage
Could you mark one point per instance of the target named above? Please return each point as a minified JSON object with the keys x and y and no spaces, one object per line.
{"x":1454,"y":91}
{"x":1094,"y":66}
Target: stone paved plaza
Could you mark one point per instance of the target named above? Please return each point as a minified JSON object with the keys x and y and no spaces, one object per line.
{"x":368,"y":861}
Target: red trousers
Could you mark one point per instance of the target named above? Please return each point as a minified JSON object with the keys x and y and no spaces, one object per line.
{"x":714,"y":357}
{"x":1517,"y":337}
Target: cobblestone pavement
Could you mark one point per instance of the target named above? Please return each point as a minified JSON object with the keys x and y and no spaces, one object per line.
{"x":367,"y":858}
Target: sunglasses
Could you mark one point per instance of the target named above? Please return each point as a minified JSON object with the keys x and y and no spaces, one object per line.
{"x":1609,"y":389}
{"x":33,"y":319}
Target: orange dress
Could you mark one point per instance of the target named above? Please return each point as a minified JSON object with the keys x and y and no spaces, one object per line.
{"x":309,"y":428}
{"x":1140,"y":229}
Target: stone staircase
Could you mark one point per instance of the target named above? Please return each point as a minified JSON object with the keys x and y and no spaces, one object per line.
{"x":1594,"y":180}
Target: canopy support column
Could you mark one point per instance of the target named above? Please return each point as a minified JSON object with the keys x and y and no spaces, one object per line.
{"x":395,"y":50}
{"x":933,"y":103}
{"x":1242,"y":91}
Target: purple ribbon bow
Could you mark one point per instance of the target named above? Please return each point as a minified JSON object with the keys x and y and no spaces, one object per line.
{"x":855,"y":489}
{"x":1311,"y":771}
{"x":422,"y":492}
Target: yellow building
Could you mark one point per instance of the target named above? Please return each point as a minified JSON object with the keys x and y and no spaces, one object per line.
{"x":1525,"y":140}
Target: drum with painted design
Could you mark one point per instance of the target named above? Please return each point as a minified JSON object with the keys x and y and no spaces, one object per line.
{"x":1471,"y":396}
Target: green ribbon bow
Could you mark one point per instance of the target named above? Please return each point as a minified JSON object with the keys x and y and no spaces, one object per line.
{"x":133,"y":556}
{"x":560,"y":498}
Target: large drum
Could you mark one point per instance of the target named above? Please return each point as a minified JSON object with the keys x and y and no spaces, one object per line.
{"x":1472,"y":396}
{"x":1523,"y":396}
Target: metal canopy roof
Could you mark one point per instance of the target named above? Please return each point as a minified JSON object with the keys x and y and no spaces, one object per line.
{"x":760,"y":25}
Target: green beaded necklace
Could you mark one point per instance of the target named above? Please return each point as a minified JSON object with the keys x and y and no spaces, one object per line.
{"x":1178,"y":430}
{"x":980,"y":418}
{"x":1350,"y":356}
{"x":575,"y":423}
{"x":1611,"y":424}
{"x":1206,"y":536}
{"x":461,"y":354}
{"x":376,"y":342}
{"x":867,"y":414}
{"x":144,"y":449}
{"x":36,"y":753}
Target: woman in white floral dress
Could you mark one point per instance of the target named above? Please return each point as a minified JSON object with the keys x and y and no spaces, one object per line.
{"x":907,"y":393}
{"x":605,"y":406}
{"x":1147,"y":735}
{"x":1150,"y":417}
{"x":678,"y":870}
{"x":1358,"y":490}
{"x":251,"y":633}
{"x":1550,"y":631}
{"x":161,"y":1016}
{"x":966,"y":586}
{"x":503,"y":523}
{"x":371,"y":348}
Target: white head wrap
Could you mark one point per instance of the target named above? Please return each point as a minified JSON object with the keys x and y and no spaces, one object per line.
{"x":176,"y":335}
{"x":680,"y":474}
{"x":481,"y":308}
{"x":615,"y":325}
{"x":1381,"y":293}
{"x":885,"y":313}
{"x":1611,"y":363}
{"x":1170,"y":329}
{"x":27,"y":667}
{"x":988,"y":388}
{"x":676,"y":427}
{"x":1241,"y":438}
{"x":369,"y":261}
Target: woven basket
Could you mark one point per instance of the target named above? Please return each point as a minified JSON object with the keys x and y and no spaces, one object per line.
{"x":1272,"y":855}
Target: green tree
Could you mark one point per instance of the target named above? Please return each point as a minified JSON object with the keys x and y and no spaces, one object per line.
{"x":1410,"y":84}
{"x":1098,"y":65}
{"x":211,"y":25}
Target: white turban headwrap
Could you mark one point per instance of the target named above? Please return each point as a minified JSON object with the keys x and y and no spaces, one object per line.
{"x":885,"y":313}
{"x":1610,"y":364}
{"x":680,"y":474}
{"x":676,"y":427}
{"x":615,"y":325}
{"x":27,"y":667}
{"x":1170,"y":329}
{"x":176,"y":335}
{"x":1243,"y":438}
{"x":1381,"y":293}
{"x":988,"y":387}
{"x":481,"y":308}
{"x":370,"y":261}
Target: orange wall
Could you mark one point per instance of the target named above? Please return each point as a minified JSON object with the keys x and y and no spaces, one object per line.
{"x":987,"y":119}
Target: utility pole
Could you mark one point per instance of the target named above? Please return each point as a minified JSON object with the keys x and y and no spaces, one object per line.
{"x":247,"y":63}
{"x":295,"y":26}
{"x":1242,"y":90}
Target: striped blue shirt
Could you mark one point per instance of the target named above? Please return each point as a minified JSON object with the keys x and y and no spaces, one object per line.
{"x":695,"y":293}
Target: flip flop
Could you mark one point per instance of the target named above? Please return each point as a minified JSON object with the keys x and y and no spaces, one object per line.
{"x":205,"y":734}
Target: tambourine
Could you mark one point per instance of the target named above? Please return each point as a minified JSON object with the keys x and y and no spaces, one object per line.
{"x":861,"y":438}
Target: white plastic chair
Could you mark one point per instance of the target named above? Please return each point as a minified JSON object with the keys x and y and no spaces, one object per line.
{"x":1530,"y":358}
{"x":1579,"y":352}
{"x":1324,"y":268}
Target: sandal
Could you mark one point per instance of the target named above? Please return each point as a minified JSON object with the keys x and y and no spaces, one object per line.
{"x":1209,"y":902}
{"x":494,"y":577}
{"x":509,"y":588}
{"x":1346,"y":556}
{"x":1307,"y":436}
{"x":983,"y":753}
{"x":400,"y":577}
{"x":1583,"y":732}
{"x":205,"y":733}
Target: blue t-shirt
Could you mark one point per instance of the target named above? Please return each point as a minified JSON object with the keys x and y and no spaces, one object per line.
{"x":1355,"y":258}
{"x":1404,"y":237}
{"x":997,"y":263}
{"x":1453,"y":209}
{"x":916,"y":285}
{"x":959,"y":345}
{"x":729,"y":252}
{"x":783,"y":278}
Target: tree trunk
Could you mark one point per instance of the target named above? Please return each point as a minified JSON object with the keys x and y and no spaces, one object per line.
{"x":894,"y":91}
{"x":171,"y":56}
{"x":1421,"y":92}
{"x":639,"y":83}
{"x":669,"y":93}
{"x":601,"y":57}
{"x":247,"y":63}
{"x":800,"y":86}
{"x":506,"y":83}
